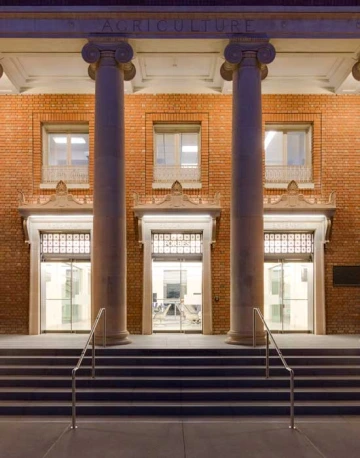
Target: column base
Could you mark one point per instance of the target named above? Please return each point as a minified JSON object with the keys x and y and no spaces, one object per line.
{"x":236,"y":338}
{"x":113,"y":339}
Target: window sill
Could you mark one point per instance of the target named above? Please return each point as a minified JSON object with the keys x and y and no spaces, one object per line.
{"x":168,"y":185}
{"x":69,"y":186}
{"x":285,"y":185}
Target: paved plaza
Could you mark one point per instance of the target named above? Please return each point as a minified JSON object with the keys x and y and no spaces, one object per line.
{"x":103,"y":437}
{"x":180,"y":438}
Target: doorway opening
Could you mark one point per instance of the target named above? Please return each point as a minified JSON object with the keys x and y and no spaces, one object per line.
{"x":177,"y":295}
{"x":288,"y":295}
{"x":65,"y":282}
{"x":65,"y":296}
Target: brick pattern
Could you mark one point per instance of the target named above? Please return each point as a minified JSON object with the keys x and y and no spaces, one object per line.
{"x":336,"y":164}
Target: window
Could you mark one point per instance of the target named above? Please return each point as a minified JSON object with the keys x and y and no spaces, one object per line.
{"x":288,"y":153}
{"x":65,"y":154}
{"x":175,"y":284}
{"x":289,"y":243}
{"x":176,"y":243}
{"x":176,"y":153}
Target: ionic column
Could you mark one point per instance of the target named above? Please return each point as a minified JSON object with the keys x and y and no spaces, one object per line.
{"x":110,"y":64}
{"x":245,"y":66}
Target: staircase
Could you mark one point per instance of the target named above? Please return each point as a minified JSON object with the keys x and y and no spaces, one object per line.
{"x":177,"y":382}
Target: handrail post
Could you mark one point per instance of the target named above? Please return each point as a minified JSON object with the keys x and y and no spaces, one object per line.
{"x":292,"y":426}
{"x":92,"y":338}
{"x":93,"y":357}
{"x":254,"y":328}
{"x":104,"y":332}
{"x":73,"y":425}
{"x":267,"y":354}
{"x":268,"y":337}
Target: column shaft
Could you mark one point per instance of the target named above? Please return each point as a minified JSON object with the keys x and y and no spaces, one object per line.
{"x":247,"y":254}
{"x":109,"y":227}
{"x":109,"y":237}
{"x":247,"y":237}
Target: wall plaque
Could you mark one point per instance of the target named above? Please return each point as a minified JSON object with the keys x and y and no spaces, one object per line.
{"x":346,"y":275}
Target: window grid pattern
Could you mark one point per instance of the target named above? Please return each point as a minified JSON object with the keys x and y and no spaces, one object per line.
{"x":177,"y":243}
{"x":288,"y":243}
{"x":60,"y":243}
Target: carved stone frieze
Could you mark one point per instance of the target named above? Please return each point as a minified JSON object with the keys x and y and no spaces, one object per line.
{"x":294,"y":201}
{"x":177,"y":203}
{"x":177,"y":200}
{"x":60,"y":202}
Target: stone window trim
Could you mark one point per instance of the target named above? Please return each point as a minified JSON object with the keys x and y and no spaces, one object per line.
{"x":291,"y":120}
{"x":177,"y":120}
{"x":60,"y":120}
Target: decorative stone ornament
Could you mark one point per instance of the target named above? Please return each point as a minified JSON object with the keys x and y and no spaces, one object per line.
{"x":91,"y":53}
{"x":176,"y":188}
{"x":264,"y":71}
{"x":356,"y":71}
{"x":92,"y":71}
{"x":61,"y":189}
{"x":293,"y":198}
{"x":226,"y":71}
{"x":129,"y":71}
{"x":1,"y":71}
{"x":59,"y":203}
{"x":233,"y":53}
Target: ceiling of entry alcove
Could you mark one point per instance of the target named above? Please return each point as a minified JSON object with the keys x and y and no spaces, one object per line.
{"x":301,"y":66}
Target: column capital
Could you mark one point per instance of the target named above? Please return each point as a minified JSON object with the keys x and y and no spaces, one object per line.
{"x":242,"y":49}
{"x":109,"y":52}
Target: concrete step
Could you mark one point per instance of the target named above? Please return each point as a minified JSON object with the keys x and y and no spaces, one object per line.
{"x":46,"y":381}
{"x":175,"y":352}
{"x":179,"y":382}
{"x":180,"y":408}
{"x":167,"y":361}
{"x":178,"y":395}
{"x":179,"y":371}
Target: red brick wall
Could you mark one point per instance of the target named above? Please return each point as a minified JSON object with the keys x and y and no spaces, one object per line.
{"x":336,"y":167}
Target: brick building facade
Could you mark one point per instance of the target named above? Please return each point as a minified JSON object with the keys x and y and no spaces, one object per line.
{"x":335,"y":164}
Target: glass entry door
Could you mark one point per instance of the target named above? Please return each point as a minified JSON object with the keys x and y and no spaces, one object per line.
{"x":288,"y":295}
{"x":65,"y":296}
{"x":177,"y":296}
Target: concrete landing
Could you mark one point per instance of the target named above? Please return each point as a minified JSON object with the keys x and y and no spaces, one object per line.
{"x":177,"y":341}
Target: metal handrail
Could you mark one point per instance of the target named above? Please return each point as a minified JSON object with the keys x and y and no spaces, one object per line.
{"x":268,"y":334}
{"x":91,"y":337}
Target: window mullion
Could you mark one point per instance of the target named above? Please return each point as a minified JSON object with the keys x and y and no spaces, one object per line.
{"x":285,"y":150}
{"x":178,"y":150}
{"x":68,"y":149}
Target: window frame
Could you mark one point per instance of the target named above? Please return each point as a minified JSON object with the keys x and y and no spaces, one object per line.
{"x":285,"y":128}
{"x":66,"y":129}
{"x":293,"y":127}
{"x":177,"y":130}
